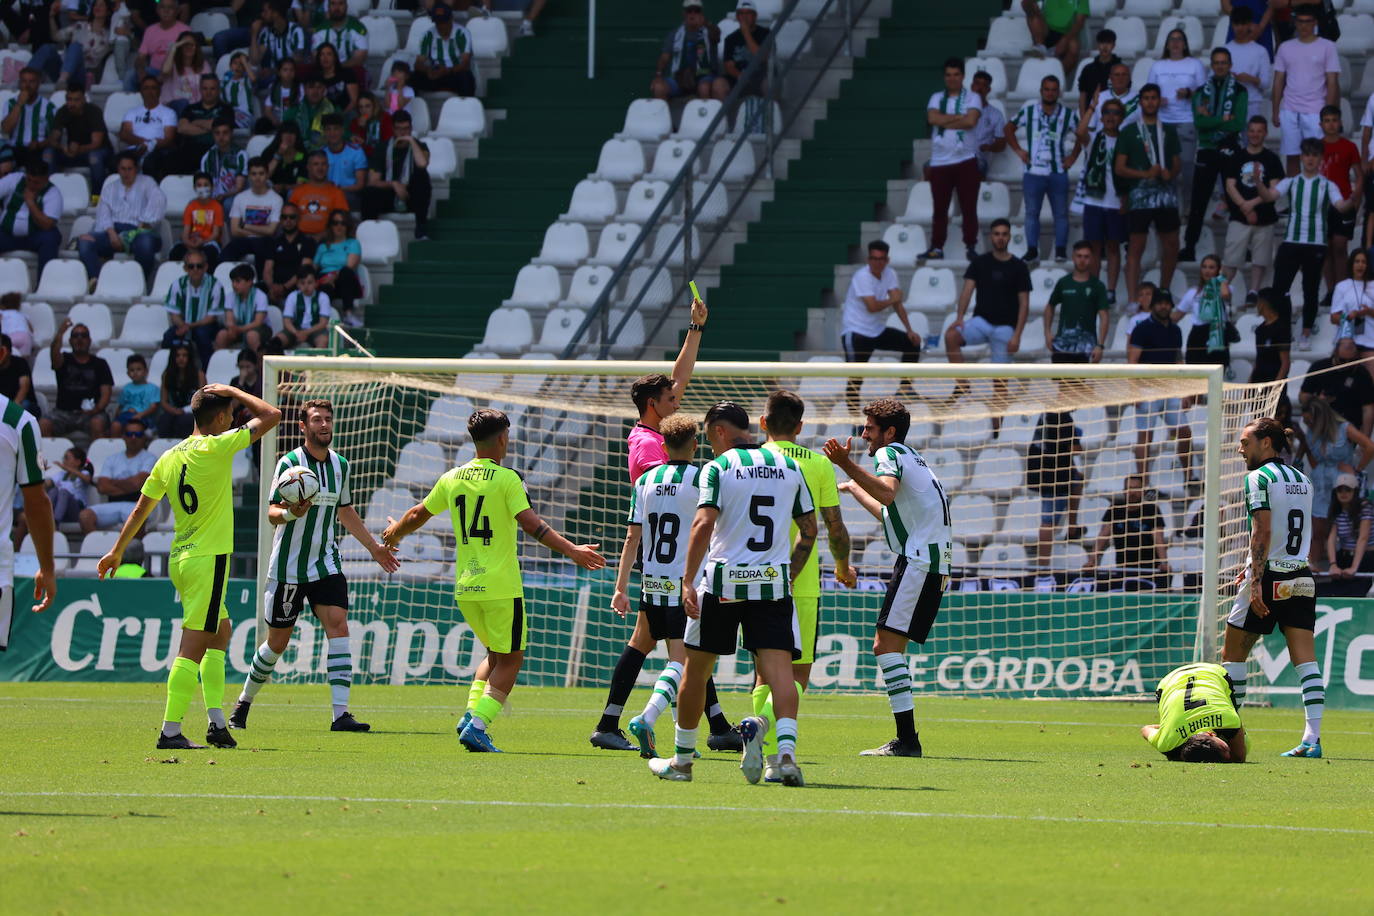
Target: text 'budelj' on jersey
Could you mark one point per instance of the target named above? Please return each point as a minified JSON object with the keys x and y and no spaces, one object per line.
{"x":482,"y":499}
{"x":917,"y":521}
{"x":306,"y":549}
{"x":1287,"y":493}
{"x":197,"y":477}
{"x":663,"y":503}
{"x":758,"y":493}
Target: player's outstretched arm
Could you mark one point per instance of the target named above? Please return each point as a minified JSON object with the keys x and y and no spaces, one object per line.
{"x":620,"y":601}
{"x":703,"y":524}
{"x":882,"y":489}
{"x":142,"y":509}
{"x":265,"y":416}
{"x":838,"y":535}
{"x":413,"y":520}
{"x":1238,"y":746}
{"x":687,"y":358}
{"x":583,"y":555}
{"x":805,"y":543}
{"x":38,"y":514}
{"x":384,"y":555}
{"x":874,"y":507}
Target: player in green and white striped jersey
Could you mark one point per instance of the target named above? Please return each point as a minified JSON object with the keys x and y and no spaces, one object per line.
{"x":1310,"y":196}
{"x":305,"y":566}
{"x":749,"y":498}
{"x":905,"y":495}
{"x":20,"y":467}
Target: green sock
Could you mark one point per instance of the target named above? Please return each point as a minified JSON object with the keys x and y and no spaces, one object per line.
{"x":475,"y":693}
{"x":212,"y":684}
{"x":763,"y":706}
{"x":181,"y":687}
{"x":487,"y":709}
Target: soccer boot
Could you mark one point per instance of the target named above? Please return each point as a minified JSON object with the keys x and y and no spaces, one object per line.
{"x":218,"y":736}
{"x":477,"y":740}
{"x":463,"y":722}
{"x":239,"y":717}
{"x":770,"y":769}
{"x":751,"y":732}
{"x":1304,"y":749}
{"x":346,"y":723}
{"x":612,"y":741}
{"x":663,"y":768}
{"x":789,"y":772}
{"x":726,"y":741}
{"x":177,"y":743}
{"x":644,"y":734}
{"x":895,"y":748}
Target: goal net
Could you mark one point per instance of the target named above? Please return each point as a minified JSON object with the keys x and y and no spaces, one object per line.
{"x":1094,"y":513}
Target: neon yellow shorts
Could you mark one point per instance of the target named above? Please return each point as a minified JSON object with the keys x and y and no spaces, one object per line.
{"x":499,"y":624}
{"x":202,"y":583}
{"x":808,"y":611}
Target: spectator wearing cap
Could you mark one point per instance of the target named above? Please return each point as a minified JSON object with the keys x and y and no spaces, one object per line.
{"x":347,"y":163}
{"x":444,"y":63}
{"x":687,"y":64}
{"x":953,"y":115}
{"x":742,"y":47}
{"x":30,"y":213}
{"x":398,"y":176}
{"x":131,"y":208}
{"x":1094,"y":77}
{"x":1350,"y":517}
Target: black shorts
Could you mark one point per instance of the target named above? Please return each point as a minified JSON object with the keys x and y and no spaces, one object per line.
{"x":1051,"y":39}
{"x":285,"y":600}
{"x":1298,"y":611}
{"x":912,"y":602}
{"x":666,"y":621}
{"x":1369,"y":191}
{"x":1058,"y":356}
{"x":1338,"y":223}
{"x":1164,"y":219}
{"x":766,"y":625}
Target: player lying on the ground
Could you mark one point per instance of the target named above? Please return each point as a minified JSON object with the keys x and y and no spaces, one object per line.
{"x":305,"y":565}
{"x":486,"y":502}
{"x":199,"y":471}
{"x":1198,"y":720}
{"x":749,"y":497}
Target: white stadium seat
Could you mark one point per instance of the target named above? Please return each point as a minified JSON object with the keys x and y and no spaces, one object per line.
{"x":588,"y":283}
{"x":1192,"y":29}
{"x":96,"y":317}
{"x":75,"y":191}
{"x":906,"y":242}
{"x":41,"y":320}
{"x":461,"y":119}
{"x":993,"y":67}
{"x":820,"y":388}
{"x":920,"y":207}
{"x":643,"y":199}
{"x":120,"y":281}
{"x":223,"y":367}
{"x":697,"y":116}
{"x":948,"y":466}
{"x":647,"y":119}
{"x":179,"y":190}
{"x":667,"y":243}
{"x":999,"y":470}
{"x":1009,"y":38}
{"x":489,"y":37}
{"x":443,"y":159}
{"x":28,"y":558}
{"x":14,"y":275}
{"x":565,"y":245}
{"x":63,"y":280}
{"x":933,"y":289}
{"x":620,"y":160}
{"x":559,"y":327}
{"x":420,"y":464}
{"x":1151,"y":8}
{"x":167,"y":273}
{"x":593,"y":201}
{"x":670,"y":157}
{"x":973,"y":518}
{"x":740,"y":168}
{"x":382,"y":39}
{"x":117,"y":105}
{"x":615,"y":242}
{"x":1131,"y":40}
{"x":792,"y":37}
{"x":118,"y":358}
{"x":380,"y":240}
{"x":536,"y":286}
{"x":209,"y":24}
{"x":1032,"y":72}
{"x":508,"y":331}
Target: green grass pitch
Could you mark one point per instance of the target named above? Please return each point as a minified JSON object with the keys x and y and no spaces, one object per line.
{"x":1021,"y":806}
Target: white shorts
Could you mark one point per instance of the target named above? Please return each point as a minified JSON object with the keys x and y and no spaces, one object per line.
{"x":1297,"y":126}
{"x":6,"y":615}
{"x":112,"y":515}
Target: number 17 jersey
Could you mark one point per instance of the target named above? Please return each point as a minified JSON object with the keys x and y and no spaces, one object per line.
{"x":663,"y":504}
{"x":482,"y":499}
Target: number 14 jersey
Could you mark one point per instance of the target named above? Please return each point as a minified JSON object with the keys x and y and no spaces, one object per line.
{"x":663,"y":504}
{"x":482,"y":499}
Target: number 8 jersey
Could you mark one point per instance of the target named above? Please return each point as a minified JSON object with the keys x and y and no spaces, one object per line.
{"x":663,"y":503}
{"x":1287,"y":493}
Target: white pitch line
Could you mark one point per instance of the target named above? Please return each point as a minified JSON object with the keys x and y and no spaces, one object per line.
{"x":740,"y":809}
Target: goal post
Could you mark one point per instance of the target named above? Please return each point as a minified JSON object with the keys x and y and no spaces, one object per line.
{"x":1025,"y":614}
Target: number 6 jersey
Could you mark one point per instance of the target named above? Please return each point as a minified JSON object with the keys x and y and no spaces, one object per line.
{"x":196,"y":475}
{"x":663,"y":503}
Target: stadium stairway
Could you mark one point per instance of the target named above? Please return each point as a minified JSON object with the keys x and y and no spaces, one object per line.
{"x":840,"y":181}
{"x":496,"y":214}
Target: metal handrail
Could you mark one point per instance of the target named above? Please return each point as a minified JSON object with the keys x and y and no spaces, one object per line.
{"x":599,"y":313}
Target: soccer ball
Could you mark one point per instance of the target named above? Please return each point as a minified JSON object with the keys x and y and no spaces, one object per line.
{"x":297,"y":484}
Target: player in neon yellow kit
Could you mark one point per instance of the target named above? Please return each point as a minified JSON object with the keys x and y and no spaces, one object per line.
{"x":196,"y":474}
{"x":1198,"y":720}
{"x":782,"y":422}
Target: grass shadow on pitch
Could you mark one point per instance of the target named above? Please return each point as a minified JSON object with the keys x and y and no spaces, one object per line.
{"x":840,"y":785}
{"x":73,"y":814}
{"x":983,"y":759}
{"x":402,"y":731}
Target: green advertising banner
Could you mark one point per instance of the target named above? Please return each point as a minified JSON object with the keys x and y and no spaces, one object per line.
{"x":1099,"y":646}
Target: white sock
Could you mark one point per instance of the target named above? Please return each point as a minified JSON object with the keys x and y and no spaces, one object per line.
{"x":1236,"y":672}
{"x":1313,"y":699}
{"x":259,"y":671}
{"x":665,"y":692}
{"x":897,"y":677}
{"x":787,"y":738}
{"x":339,"y":663}
{"x":171,"y":729}
{"x":216,"y":717}
{"x":684,"y":746}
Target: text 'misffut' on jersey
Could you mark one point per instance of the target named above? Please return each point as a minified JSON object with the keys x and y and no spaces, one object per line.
{"x":663,"y":503}
{"x":917,"y":521}
{"x":482,"y":499}
{"x":1287,"y":493}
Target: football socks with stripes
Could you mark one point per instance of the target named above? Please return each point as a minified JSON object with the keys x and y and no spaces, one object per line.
{"x":1236,"y":672}
{"x":714,"y":714}
{"x":897,"y":677}
{"x":475,"y":693}
{"x":212,"y":685}
{"x":181,"y":688}
{"x":339,"y":661}
{"x":684,"y":746}
{"x":787,"y":738}
{"x":622,"y":683}
{"x":665,"y":693}
{"x":259,"y":672}
{"x":1313,"y":700}
{"x":763,"y":708}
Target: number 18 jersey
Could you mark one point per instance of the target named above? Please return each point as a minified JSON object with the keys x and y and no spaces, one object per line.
{"x":1287,"y":493}
{"x":663,"y":504}
{"x":758,"y":493}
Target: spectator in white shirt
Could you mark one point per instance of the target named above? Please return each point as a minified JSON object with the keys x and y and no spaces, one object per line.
{"x":120,"y":480}
{"x":131,"y":206}
{"x":1250,"y":61}
{"x":990,"y":134}
{"x":149,"y":130}
{"x":1307,"y":75}
{"x":953,"y":115}
{"x":873,"y":291}
{"x":1178,"y":74}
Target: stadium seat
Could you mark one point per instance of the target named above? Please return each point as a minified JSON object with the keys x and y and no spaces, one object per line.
{"x":420,"y":464}
{"x":821,"y":388}
{"x":27,"y":558}
{"x":593,"y":201}
{"x":565,"y":245}
{"x":792,"y":38}
{"x":697,"y":116}
{"x":167,"y":273}
{"x":648,"y":120}
{"x":1108,"y":470}
{"x":948,"y":465}
{"x":906,"y":242}
{"x":14,"y":276}
{"x":443,"y":158}
{"x":209,"y":24}
{"x":380,"y":240}
{"x":709,"y":208}
{"x":994,"y":201}
{"x":382,"y":39}
{"x":740,"y":168}
{"x":860,"y":522}
{"x":1203,"y":9}
{"x":41,"y":320}
{"x":62,"y":280}
{"x":96,"y":317}
{"x":559,"y":327}
{"x":668,"y":244}
{"x":1043,"y":280}
{"x":919,"y":205}
{"x":630,"y":339}
{"x":52,"y":448}
{"x":461,"y":119}
{"x":256,"y":145}
{"x":223,"y":367}
{"x":118,"y":358}
{"x":445,"y":420}
{"x":75,"y":191}
{"x":1000,"y":471}
{"x":508,"y":331}
{"x":420,"y":123}
{"x":101,"y":449}
{"x":1245,"y":326}
{"x":418,"y":29}
{"x":1357,"y":34}
{"x":489,"y":37}
{"x":876,"y":559}
{"x":933,"y":289}
{"x":1032,"y":72}
{"x":659,"y":286}
{"x":588,"y":283}
{"x":1131,"y":40}
{"x":1011,"y":39}
{"x":1002,"y":560}
{"x":620,"y":160}
{"x":615,"y":242}
{"x":973,"y":519}
{"x":1005,"y":166}
{"x":117,"y":105}
{"x":643,"y":199}
{"x":1140,"y":71}
{"x":966,"y":432}
{"x":222,"y":271}
{"x":669,"y":158}
{"x":179,"y":191}
{"x":1152,"y":9}
{"x":920,"y":323}
{"x":1191,"y":27}
{"x":120,"y":281}
{"x":537,"y":286}
{"x":994,"y":68}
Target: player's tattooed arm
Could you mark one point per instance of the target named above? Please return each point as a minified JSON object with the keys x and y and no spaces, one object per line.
{"x":542,"y":530}
{"x":806,"y":541}
{"x":1259,"y":554}
{"x":837,"y":534}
